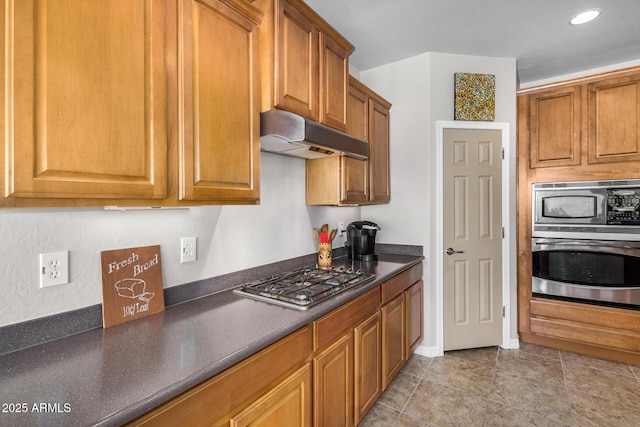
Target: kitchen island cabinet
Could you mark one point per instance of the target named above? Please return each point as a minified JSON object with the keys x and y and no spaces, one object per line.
{"x":130,"y":103}
{"x":584,"y":129}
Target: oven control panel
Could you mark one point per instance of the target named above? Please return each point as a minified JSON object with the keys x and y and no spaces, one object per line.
{"x":623,"y":206}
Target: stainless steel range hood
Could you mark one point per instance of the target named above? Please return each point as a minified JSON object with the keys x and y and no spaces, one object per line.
{"x":286,"y":133}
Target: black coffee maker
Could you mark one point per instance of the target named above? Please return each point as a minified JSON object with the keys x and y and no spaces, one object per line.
{"x":361,"y":240}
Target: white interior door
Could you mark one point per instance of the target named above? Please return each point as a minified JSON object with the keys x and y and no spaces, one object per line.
{"x":472,"y":238}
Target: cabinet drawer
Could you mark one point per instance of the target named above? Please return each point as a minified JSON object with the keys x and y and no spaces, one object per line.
{"x":329,"y":327}
{"x":218,"y":396}
{"x":396,"y":285}
{"x":588,"y":334}
{"x":588,"y":314}
{"x":287,"y":403}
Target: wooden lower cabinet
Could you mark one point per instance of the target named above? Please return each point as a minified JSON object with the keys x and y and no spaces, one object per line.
{"x":367,"y":365}
{"x":329,"y":373}
{"x":333,"y":384}
{"x":393,"y":339}
{"x":217,"y":400}
{"x":606,"y":332}
{"x":414,"y":317}
{"x":289,"y":403}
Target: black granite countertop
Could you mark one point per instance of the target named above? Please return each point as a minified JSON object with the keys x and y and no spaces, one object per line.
{"x":110,"y":376}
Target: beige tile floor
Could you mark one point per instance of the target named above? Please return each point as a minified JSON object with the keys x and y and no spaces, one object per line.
{"x":531,"y":386}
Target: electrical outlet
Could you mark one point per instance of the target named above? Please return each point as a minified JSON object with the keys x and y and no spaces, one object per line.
{"x":54,"y":269}
{"x":188,"y":252}
{"x":342,"y":232}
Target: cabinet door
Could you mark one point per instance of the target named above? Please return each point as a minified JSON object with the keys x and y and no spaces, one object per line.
{"x":368,"y":384}
{"x":296,"y":80}
{"x":289,"y":403}
{"x":334,"y":73}
{"x":379,"y":152}
{"x":219,"y":129}
{"x":333,"y":384}
{"x":555,"y":127}
{"x":86,"y":99}
{"x":393,"y":339}
{"x":355,"y":173}
{"x":614,"y":120}
{"x":413,"y":301}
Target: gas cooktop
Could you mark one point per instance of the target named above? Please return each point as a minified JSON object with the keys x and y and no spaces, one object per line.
{"x":305,"y":287}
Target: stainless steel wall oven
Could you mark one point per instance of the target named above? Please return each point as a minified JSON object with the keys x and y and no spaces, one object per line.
{"x":586,"y":242}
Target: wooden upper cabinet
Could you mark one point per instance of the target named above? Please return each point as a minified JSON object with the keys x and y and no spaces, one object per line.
{"x":555,"y":127}
{"x":355,"y":173}
{"x":304,"y":63}
{"x":614,"y":120}
{"x":139,"y":102}
{"x":296,"y":81}
{"x":334,"y":72}
{"x":347,"y":181}
{"x":85,"y":100}
{"x":219,"y":126}
{"x":380,"y":191}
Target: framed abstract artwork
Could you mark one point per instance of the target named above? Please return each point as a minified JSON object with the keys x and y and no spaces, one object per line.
{"x":475,"y":96}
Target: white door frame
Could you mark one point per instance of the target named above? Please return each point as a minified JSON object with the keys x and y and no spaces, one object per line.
{"x":508,"y":243}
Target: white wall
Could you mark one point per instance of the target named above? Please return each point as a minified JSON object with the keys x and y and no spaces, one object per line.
{"x":421,"y":90}
{"x":230,"y":238}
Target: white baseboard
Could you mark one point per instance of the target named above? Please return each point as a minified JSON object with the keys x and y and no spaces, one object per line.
{"x":429,"y":351}
{"x":513,"y":344}
{"x":434,"y":351}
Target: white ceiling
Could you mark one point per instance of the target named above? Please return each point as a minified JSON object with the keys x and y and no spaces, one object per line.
{"x":536,"y":33}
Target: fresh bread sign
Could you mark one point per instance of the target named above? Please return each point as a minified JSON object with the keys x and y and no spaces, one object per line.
{"x":131,"y":284}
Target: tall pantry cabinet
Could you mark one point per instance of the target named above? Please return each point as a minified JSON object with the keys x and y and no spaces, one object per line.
{"x":584,"y":129}
{"x":122,"y":103}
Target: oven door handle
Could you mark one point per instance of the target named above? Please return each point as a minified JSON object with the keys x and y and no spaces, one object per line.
{"x":619,"y":247}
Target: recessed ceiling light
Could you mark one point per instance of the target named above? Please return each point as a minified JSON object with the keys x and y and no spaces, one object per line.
{"x":584,"y":17}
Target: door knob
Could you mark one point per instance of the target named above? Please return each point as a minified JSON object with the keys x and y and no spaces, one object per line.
{"x":451,"y":251}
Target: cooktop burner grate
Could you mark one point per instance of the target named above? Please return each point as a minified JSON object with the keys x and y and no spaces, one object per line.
{"x":304,"y":287}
